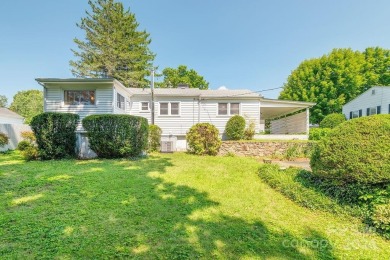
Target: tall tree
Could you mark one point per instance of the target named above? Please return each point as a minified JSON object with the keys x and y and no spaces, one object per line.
{"x":336,"y":78}
{"x":3,"y":101}
{"x":28,"y":104}
{"x":174,"y":77}
{"x":113,"y":45}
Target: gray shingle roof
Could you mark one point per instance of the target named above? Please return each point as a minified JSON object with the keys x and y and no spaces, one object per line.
{"x":194,"y":92}
{"x":5,"y":112}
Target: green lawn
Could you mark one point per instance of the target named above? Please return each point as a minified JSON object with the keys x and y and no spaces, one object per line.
{"x":166,"y":206}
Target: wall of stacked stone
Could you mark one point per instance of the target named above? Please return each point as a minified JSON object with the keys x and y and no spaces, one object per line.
{"x":259,"y":149}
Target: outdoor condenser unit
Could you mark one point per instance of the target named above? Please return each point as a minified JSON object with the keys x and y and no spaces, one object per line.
{"x":167,"y":146}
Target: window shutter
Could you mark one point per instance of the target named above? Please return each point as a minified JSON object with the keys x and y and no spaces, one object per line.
{"x":360,"y":113}
{"x":368,"y":111}
{"x":378,"y":109}
{"x":350,"y":115}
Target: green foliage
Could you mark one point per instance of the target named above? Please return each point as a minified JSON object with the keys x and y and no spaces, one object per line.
{"x":316,"y":134}
{"x":381,"y":218}
{"x":291,"y":184}
{"x":117,"y":136}
{"x":28,"y":104}
{"x":203,"y":139}
{"x":355,"y":151}
{"x":154,"y":138}
{"x":23,"y":145}
{"x":235,"y":128}
{"x":3,"y":139}
{"x":174,"y":77}
{"x":28,"y":136}
{"x":114,"y":45}
{"x":250,"y":131}
{"x":334,"y":79}
{"x":294,"y":151}
{"x":30,"y":152}
{"x":332,"y":120}
{"x":55,"y":134}
{"x":3,"y":101}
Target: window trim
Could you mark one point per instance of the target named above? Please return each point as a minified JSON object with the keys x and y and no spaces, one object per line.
{"x":169,"y":108}
{"x":228,"y":114}
{"x":140,"y":107}
{"x":64,"y":104}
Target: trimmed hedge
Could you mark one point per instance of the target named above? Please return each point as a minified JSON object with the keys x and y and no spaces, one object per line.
{"x":355,"y":151}
{"x":55,"y":134}
{"x":154,"y":138}
{"x":203,"y":139}
{"x":117,"y":136}
{"x":235,"y":128}
{"x":332,"y":120}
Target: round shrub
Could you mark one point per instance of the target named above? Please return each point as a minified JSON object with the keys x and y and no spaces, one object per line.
{"x":3,"y":139}
{"x":235,"y":128}
{"x":55,"y":134}
{"x":355,"y":151}
{"x":332,"y":120}
{"x":203,"y":139}
{"x":117,"y":136}
{"x":23,"y":145}
{"x":154,"y":138}
{"x":380,"y":218}
{"x":250,"y":131}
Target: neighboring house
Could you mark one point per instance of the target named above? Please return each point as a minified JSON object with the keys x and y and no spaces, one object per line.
{"x":12,"y":125}
{"x":175,"y":109}
{"x":9,"y":117}
{"x":374,"y":101}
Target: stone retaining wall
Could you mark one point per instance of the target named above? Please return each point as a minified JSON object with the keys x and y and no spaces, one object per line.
{"x":260,"y":149}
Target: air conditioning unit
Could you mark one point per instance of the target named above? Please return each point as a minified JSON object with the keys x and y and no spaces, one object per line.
{"x":167,"y":147}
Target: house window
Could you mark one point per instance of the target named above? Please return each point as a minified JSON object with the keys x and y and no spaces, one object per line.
{"x":373,"y":110}
{"x":120,"y":101}
{"x":225,"y":109}
{"x":169,"y":108}
{"x":145,"y":106}
{"x":234,"y":108}
{"x":79,"y":97}
{"x":222,"y":108}
{"x":355,"y":114}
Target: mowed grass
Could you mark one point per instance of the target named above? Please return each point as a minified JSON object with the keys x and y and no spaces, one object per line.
{"x":166,"y":206}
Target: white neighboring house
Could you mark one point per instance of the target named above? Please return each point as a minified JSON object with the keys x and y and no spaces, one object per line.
{"x":12,"y":124}
{"x":375,"y":100}
{"x":9,"y":117}
{"x":175,"y":109}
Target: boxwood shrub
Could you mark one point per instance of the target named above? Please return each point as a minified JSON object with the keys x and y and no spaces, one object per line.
{"x":55,"y":134}
{"x":355,"y":151}
{"x":332,"y":120}
{"x":116,"y":136}
{"x":203,"y":139}
{"x":235,"y":128}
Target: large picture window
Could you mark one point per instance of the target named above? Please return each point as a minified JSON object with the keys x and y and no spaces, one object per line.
{"x":79,"y":97}
{"x":120,"y":101}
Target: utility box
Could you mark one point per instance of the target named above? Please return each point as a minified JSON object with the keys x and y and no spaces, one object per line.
{"x":168,"y":144}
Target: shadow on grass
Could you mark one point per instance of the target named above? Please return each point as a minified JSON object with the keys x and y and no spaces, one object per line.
{"x":119,"y":208}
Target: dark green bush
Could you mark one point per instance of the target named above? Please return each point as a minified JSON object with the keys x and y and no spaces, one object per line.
{"x":332,"y":120}
{"x":203,"y":138}
{"x":23,"y":145}
{"x":235,"y":128}
{"x":3,"y":139}
{"x":355,"y":151}
{"x":316,"y":134}
{"x":117,"y":136}
{"x":154,"y":138}
{"x":55,"y":134}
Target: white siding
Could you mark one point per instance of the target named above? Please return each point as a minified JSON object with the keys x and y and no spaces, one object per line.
{"x":295,"y":124}
{"x":54,"y":100}
{"x":11,"y":120}
{"x":249,"y":109}
{"x":13,"y":131}
{"x":135,"y":107}
{"x":367,"y":100}
{"x":125,"y":94}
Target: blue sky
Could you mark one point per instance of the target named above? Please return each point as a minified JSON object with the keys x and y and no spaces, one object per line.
{"x":247,"y":44}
